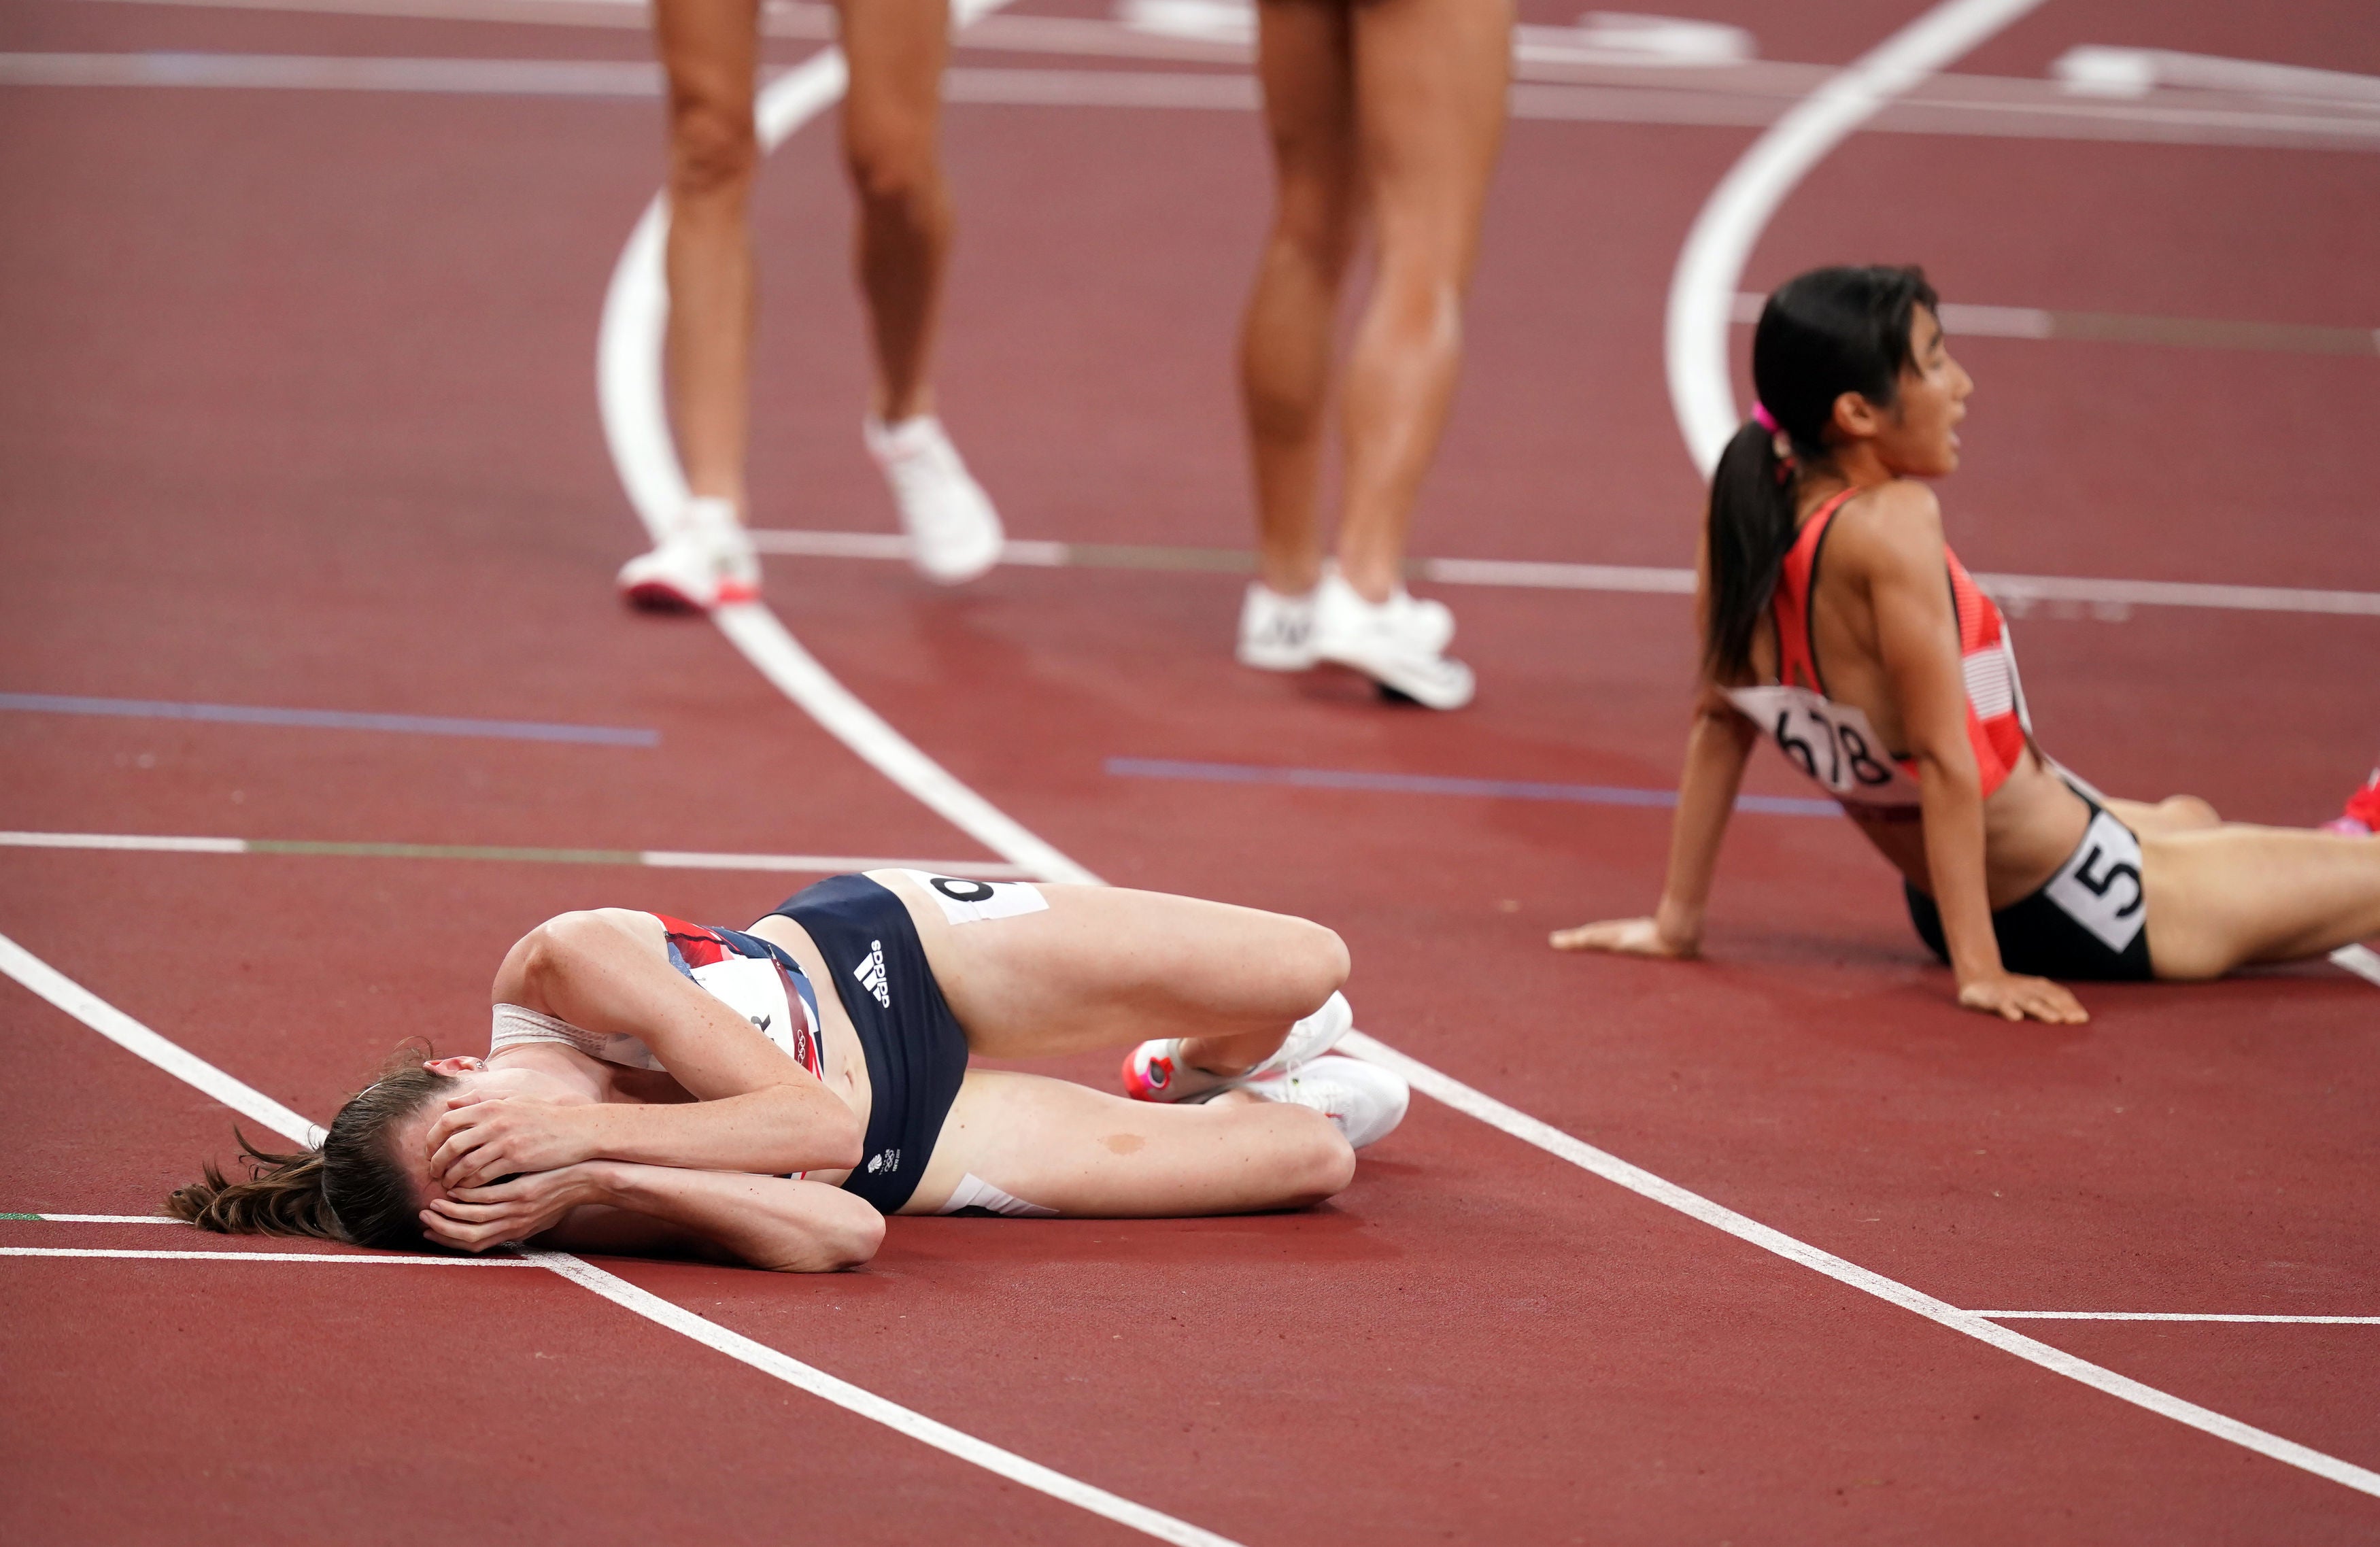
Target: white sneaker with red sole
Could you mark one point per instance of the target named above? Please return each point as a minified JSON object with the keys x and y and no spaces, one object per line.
{"x":1364,"y":1101}
{"x":1157,"y":1071}
{"x":705,"y":560}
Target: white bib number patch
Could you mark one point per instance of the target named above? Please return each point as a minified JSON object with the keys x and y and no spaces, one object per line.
{"x":1833,"y":743}
{"x":972,"y":902}
{"x":2100,"y":887}
{"x":755,"y":988}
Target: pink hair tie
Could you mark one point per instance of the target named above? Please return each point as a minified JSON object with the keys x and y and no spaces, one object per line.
{"x":1763,"y":417}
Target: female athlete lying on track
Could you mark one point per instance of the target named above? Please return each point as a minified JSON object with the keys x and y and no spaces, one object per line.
{"x":1837,"y":621}
{"x":655,"y":1086}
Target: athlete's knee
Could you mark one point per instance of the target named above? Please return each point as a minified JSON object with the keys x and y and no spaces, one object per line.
{"x":1318,"y":965}
{"x":714,"y":151}
{"x":892,"y":166}
{"x":2188,"y":811}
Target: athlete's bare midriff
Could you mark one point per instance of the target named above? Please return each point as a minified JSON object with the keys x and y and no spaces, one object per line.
{"x":2030,"y":823}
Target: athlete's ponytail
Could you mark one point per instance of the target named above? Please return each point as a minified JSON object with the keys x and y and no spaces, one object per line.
{"x":353,"y":1189}
{"x":1821,"y":334}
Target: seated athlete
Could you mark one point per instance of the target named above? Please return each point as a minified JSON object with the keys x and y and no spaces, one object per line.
{"x":1837,"y":621}
{"x":654,"y":1086}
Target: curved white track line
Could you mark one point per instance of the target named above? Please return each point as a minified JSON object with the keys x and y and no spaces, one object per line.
{"x":635,"y":421}
{"x":134,"y":1038}
{"x":1703,"y":287}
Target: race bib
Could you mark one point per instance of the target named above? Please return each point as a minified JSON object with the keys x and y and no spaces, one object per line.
{"x":2100,"y":887}
{"x":754,"y":987}
{"x":1832,"y":742}
{"x":972,"y":902}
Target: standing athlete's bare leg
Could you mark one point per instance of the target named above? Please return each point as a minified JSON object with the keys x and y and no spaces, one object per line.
{"x":709,"y":49}
{"x":892,"y":127}
{"x":1430,"y":81}
{"x":1305,"y":61}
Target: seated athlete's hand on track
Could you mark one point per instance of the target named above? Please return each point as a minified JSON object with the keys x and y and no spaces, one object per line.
{"x":2013,"y":996}
{"x":474,"y":1219}
{"x":478,"y":1138}
{"x":1627,"y":937}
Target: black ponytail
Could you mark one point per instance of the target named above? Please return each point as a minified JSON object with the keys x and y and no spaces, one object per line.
{"x":1821,"y":334}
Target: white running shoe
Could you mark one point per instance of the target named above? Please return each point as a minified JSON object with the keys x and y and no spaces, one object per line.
{"x":1276,"y":631}
{"x":705,"y":560}
{"x":955,"y":534}
{"x":1156,"y":1072}
{"x":1364,"y":1101}
{"x":1400,"y":643}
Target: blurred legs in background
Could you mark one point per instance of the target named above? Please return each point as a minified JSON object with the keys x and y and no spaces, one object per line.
{"x":1385,"y":114}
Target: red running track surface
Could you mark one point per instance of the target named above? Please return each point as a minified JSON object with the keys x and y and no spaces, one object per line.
{"x":297,"y":411}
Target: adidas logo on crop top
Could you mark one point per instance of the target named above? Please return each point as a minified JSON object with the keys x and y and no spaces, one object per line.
{"x":743,"y":971}
{"x":1834,"y":743}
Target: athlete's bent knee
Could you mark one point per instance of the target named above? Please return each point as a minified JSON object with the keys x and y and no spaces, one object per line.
{"x":893,"y":171}
{"x":713,"y":151}
{"x":1320,"y":965}
{"x":2188,"y":811}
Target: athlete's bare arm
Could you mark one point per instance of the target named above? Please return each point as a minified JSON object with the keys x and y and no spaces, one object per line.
{"x":613,"y":1206}
{"x":1717,"y":749}
{"x":1890,"y":543}
{"x":607,"y":971}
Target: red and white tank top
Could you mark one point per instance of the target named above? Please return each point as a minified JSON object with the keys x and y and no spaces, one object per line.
{"x":1834,"y":743}
{"x":743,"y":971}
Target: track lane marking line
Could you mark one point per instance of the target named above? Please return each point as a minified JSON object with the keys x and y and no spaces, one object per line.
{"x":129,"y":1034}
{"x":652,"y":859}
{"x":1636,"y":1179}
{"x":2172,"y":1316}
{"x":399,"y":1259}
{"x":329,"y":719}
{"x":2015,"y":591}
{"x":636,"y":429}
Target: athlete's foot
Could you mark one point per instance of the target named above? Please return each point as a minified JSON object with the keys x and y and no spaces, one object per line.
{"x":2361,"y":817}
{"x":955,"y":533}
{"x":1167,"y":1070}
{"x":1399,"y":643}
{"x":1276,"y":631}
{"x":1364,"y":1101}
{"x":705,"y":560}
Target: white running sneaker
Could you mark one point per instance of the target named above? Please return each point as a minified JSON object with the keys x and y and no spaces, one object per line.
{"x":1156,"y":1072}
{"x":955,"y":534}
{"x":705,"y":560}
{"x":1364,"y":1101}
{"x":1276,"y":631}
{"x":1400,"y":643}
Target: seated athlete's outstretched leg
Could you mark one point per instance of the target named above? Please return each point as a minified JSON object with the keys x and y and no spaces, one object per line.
{"x":2230,"y":895}
{"x":1104,"y":967}
{"x":2175,"y":813}
{"x":1053,"y":1145}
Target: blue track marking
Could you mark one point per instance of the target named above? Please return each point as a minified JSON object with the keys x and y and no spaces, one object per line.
{"x":1432,"y":783}
{"x":330,"y":719}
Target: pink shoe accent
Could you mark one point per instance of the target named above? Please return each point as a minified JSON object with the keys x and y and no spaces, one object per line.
{"x":1146,"y":1083}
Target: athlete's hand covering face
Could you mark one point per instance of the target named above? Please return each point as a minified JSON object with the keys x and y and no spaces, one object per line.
{"x":483,"y":1135}
{"x":474,"y":1219}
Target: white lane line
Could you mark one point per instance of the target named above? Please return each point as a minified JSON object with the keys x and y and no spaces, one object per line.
{"x":401,"y":1260}
{"x":2171,"y":1316}
{"x":1544,"y":575}
{"x":129,"y":1034}
{"x":635,"y":423}
{"x":2362,"y":960}
{"x":141,"y":1042}
{"x":652,"y":859}
{"x":1710,"y":265}
{"x":1546,"y":1137}
{"x":102,"y":1219}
